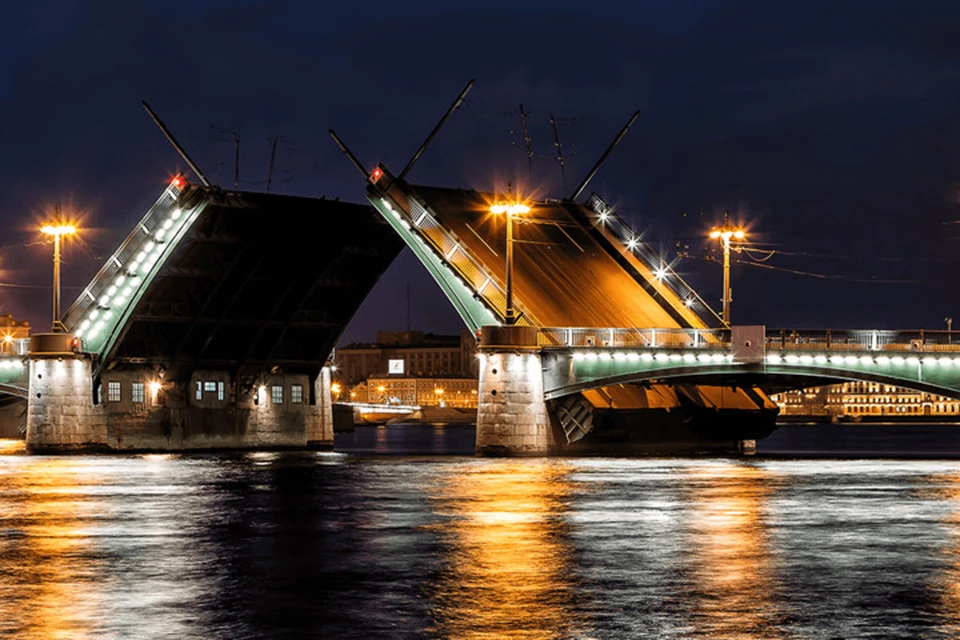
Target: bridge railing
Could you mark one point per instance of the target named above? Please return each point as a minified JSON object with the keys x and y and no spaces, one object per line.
{"x":451,"y":249}
{"x":96,"y":311}
{"x":920,"y":340}
{"x":626,"y":338}
{"x":863,"y":340}
{"x":621,"y":233}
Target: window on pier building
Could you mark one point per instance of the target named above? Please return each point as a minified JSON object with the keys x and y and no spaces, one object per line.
{"x":296,"y":393}
{"x":113,"y":391}
{"x":210,"y":386}
{"x":136,"y":392}
{"x":276,"y":394}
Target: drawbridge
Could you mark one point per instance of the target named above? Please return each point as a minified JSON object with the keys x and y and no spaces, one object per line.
{"x":575,"y":264}
{"x":229,"y":280}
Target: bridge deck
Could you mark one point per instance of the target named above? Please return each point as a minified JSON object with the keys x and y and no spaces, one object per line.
{"x":250,"y":282}
{"x":562,"y":275}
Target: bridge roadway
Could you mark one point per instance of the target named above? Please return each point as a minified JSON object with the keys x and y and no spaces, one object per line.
{"x":580,"y":359}
{"x":574,"y":264}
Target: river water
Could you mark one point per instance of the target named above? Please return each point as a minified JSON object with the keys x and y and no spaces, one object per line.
{"x":334,"y":545}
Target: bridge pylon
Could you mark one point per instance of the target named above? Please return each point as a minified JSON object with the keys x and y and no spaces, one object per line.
{"x":61,"y":415}
{"x":511,"y":411}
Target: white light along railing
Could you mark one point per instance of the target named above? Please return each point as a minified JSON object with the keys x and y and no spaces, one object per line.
{"x":617,"y":230}
{"x":98,"y":308}
{"x":620,"y":338}
{"x":920,"y":340}
{"x":417,"y":217}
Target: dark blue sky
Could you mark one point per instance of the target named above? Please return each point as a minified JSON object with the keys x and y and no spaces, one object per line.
{"x":831,"y":128}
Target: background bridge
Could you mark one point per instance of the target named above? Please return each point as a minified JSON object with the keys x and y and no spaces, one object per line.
{"x":582,"y":359}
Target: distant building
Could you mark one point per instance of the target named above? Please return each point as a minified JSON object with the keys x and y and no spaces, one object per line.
{"x":13,"y":335}
{"x":858,"y":399}
{"x":410,"y":368}
{"x":410,"y":354}
{"x":425,"y":392}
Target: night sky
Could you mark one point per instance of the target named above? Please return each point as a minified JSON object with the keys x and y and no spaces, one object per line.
{"x":831,"y":129}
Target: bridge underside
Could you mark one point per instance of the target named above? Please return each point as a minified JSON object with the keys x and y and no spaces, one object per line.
{"x":259,"y":282}
{"x":564,"y":377}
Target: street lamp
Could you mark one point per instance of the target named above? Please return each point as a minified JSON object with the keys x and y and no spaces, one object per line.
{"x":724,"y":234}
{"x":57,"y":230}
{"x":511,"y":210}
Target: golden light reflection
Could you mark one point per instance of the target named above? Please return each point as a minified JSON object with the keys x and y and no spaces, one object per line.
{"x":508,"y":565}
{"x":946,"y":487}
{"x":47,"y":589}
{"x":10,"y":447}
{"x":733,"y":568}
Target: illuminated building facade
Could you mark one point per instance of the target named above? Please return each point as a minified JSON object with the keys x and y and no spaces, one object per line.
{"x":408,"y":353}
{"x":12,"y":335}
{"x":411,"y":368}
{"x":460,"y":393}
{"x":860,"y":399}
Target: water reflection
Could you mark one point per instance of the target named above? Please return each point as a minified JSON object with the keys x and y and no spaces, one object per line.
{"x":734,"y":584}
{"x":45,"y":558}
{"x":508,"y":570}
{"x":946,"y":582}
{"x":9,"y":447}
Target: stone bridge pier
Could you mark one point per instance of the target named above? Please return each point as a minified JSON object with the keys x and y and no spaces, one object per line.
{"x":511,"y":411}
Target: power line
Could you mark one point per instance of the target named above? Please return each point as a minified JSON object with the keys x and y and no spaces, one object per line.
{"x":800,"y":272}
{"x":823,"y":276}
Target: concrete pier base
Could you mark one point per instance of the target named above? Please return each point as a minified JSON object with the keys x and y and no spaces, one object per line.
{"x":320,"y":427}
{"x":511,"y":412}
{"x":61,"y":415}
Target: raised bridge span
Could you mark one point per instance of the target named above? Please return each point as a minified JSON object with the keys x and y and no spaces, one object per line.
{"x":210,"y":326}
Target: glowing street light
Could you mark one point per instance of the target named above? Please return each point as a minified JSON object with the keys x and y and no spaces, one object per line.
{"x":511,"y":210}
{"x":724,"y":234}
{"x":57,"y":230}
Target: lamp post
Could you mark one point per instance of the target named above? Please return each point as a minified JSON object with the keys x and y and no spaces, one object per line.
{"x":724,"y":234}
{"x":57,"y":230}
{"x":511,"y":210}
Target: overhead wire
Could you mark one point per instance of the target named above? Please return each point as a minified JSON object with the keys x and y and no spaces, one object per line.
{"x":811,"y":274}
{"x":824,"y":276}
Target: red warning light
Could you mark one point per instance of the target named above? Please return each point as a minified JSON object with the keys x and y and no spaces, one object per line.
{"x":177,"y":182}
{"x":75,"y":345}
{"x":376,"y":174}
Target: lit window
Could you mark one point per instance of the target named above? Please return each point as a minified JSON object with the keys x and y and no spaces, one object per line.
{"x":296,"y":393}
{"x":199,"y":390}
{"x":220,"y":390}
{"x":210,"y":385}
{"x":136,"y":392}
{"x":276,"y":394}
{"x":113,"y":392}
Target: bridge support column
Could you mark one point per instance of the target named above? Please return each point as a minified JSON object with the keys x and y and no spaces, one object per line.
{"x":511,"y":412}
{"x":320,"y":428}
{"x":61,"y":416}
